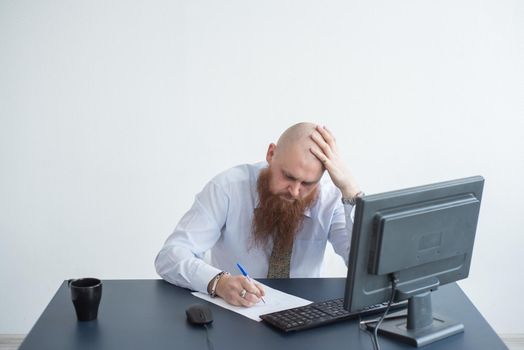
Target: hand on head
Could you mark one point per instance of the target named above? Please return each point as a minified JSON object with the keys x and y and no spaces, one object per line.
{"x":327,"y":153}
{"x":231,"y":289}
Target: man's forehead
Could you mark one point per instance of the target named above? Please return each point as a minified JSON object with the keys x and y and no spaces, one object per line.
{"x":300,"y":154}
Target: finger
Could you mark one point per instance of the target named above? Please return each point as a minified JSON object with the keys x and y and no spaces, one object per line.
{"x":321,"y":142}
{"x":260,"y":288}
{"x":238,"y":301}
{"x":327,"y":135}
{"x":252,"y":298}
{"x":321,"y":156}
{"x":249,"y":286}
{"x":245,"y":301}
{"x":234,"y":297}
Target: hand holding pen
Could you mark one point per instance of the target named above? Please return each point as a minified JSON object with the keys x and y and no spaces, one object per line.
{"x":239,"y":291}
{"x":244,"y":292}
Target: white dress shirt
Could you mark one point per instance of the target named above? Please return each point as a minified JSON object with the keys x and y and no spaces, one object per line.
{"x":220,"y":222}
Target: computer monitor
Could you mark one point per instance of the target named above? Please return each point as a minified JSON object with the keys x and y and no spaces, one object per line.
{"x":415,"y":239}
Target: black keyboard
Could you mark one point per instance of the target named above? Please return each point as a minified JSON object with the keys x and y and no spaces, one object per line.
{"x":321,"y":313}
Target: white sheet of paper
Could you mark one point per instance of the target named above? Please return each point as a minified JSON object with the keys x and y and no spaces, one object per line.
{"x":275,"y":301}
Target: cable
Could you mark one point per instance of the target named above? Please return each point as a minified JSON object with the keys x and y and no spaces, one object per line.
{"x":208,"y":339}
{"x":363,"y":327}
{"x":366,"y":325}
{"x":394,"y":281}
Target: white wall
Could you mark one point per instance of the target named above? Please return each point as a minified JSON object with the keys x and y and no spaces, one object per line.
{"x":113,"y":114}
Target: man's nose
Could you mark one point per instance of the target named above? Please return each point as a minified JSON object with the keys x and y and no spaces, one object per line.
{"x":294,"y":189}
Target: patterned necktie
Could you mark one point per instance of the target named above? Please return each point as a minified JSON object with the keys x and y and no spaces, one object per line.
{"x":280,"y":259}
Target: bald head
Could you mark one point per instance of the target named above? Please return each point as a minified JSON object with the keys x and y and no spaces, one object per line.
{"x":294,"y":171}
{"x":297,"y":139}
{"x":296,"y":133}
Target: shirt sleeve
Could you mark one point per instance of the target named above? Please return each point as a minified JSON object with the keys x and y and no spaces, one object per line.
{"x":180,"y":261}
{"x":340,"y":230}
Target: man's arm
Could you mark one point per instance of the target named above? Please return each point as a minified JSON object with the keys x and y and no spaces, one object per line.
{"x":328,"y":154}
{"x":180,"y":260}
{"x":342,"y":223}
{"x":340,"y":230}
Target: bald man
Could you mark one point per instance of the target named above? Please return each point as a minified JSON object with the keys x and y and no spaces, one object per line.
{"x":273,"y":217}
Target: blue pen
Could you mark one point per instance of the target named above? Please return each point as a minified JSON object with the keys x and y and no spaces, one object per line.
{"x":244,"y":272}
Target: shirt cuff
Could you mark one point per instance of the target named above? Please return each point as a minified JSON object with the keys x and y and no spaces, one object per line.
{"x":203,"y":275}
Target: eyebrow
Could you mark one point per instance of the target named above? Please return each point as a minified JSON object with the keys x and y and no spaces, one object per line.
{"x":288,"y":175}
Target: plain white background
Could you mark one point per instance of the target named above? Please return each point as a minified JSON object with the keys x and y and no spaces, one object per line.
{"x":114,"y":114}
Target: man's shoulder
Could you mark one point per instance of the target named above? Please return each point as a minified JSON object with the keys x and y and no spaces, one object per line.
{"x":246,"y":174}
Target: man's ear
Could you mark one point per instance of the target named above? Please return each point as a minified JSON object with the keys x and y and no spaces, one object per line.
{"x":270,"y":152}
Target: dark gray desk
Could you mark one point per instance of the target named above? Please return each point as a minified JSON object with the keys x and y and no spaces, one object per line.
{"x":150,"y":314}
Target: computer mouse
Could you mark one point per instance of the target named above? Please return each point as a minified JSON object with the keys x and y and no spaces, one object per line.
{"x":199,"y":314}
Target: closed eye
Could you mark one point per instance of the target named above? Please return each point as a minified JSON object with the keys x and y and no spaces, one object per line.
{"x":305,"y":183}
{"x":289,"y":177}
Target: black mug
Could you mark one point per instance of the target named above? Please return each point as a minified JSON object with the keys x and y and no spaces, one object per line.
{"x":86,"y":294}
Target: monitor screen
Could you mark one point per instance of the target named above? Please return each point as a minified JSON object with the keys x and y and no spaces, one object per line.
{"x":420,"y":237}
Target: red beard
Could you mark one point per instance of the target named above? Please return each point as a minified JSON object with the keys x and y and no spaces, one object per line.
{"x":275,"y":216}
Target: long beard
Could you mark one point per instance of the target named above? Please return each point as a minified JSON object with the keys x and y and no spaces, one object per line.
{"x":275,"y":216}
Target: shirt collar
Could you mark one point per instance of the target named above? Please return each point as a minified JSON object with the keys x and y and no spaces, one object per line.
{"x":307,"y":212}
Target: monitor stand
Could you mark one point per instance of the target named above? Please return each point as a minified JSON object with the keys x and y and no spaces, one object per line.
{"x":421,"y":326}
